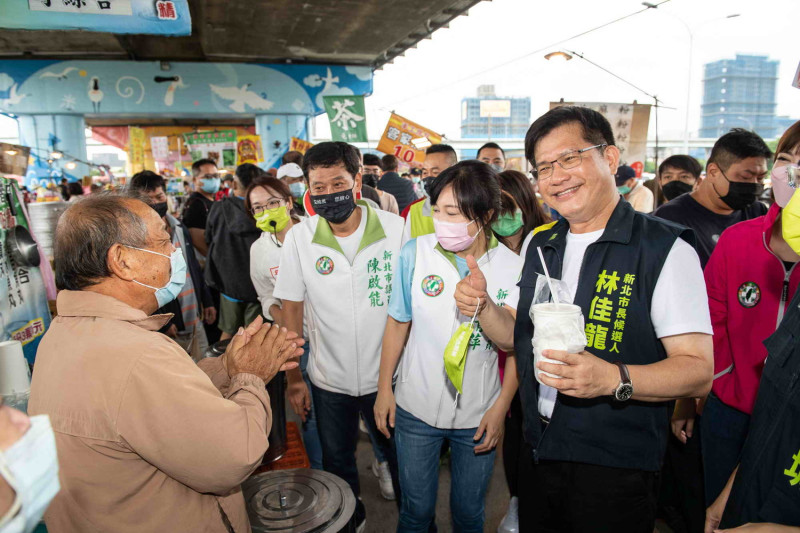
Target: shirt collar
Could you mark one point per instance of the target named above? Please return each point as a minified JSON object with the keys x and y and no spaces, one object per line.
{"x":373,"y":231}
{"x":96,"y":305}
{"x":618,"y":228}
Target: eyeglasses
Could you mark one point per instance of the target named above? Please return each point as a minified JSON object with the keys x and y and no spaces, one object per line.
{"x":272,"y":203}
{"x":566,"y":161}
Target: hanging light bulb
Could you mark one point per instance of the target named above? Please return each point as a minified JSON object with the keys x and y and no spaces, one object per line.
{"x":55,"y":154}
{"x":71,"y":165}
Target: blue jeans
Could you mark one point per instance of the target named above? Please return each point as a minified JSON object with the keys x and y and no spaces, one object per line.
{"x":418,"y":446}
{"x":337,"y":424}
{"x":310,"y":434}
{"x":723,"y":432}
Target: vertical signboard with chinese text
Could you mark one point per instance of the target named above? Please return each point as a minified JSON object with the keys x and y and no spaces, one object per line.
{"x":348,"y":118}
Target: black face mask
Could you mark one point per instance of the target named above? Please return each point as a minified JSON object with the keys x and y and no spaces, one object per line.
{"x":335,"y":207}
{"x":675,"y":188}
{"x":160,"y":208}
{"x":740,"y":195}
{"x":370,"y":179}
{"x":427,"y":183}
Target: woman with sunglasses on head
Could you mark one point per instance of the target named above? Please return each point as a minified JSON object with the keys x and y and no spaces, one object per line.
{"x":270,"y":202}
{"x":448,"y":386}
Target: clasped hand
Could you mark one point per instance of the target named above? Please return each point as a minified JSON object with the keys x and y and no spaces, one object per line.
{"x":263,"y":350}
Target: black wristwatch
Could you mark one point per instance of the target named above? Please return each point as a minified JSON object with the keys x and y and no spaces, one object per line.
{"x":624,"y":390}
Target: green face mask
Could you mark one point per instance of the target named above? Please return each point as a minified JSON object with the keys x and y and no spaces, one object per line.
{"x":455,"y":353}
{"x":508,"y":224}
{"x":624,"y":189}
{"x":273,"y":220}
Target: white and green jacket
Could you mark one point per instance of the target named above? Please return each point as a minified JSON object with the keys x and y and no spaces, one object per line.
{"x":346,"y":304}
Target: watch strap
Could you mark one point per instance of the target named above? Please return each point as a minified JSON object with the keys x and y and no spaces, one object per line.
{"x":624,"y":375}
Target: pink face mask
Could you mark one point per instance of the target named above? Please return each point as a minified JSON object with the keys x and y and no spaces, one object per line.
{"x":453,"y":236}
{"x":780,"y":185}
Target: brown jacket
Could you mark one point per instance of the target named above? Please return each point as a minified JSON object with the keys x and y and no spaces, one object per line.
{"x":147,"y":442}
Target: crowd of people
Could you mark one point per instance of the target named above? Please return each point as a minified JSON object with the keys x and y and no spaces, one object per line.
{"x":402,"y":303}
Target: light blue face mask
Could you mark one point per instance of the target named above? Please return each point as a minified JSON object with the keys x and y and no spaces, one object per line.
{"x":297,"y":188}
{"x":210,"y":185}
{"x":177,"y":278}
{"x":30,"y":466}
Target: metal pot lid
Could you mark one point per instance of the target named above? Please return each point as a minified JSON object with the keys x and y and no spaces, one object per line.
{"x":22,"y":247}
{"x":300,"y":501}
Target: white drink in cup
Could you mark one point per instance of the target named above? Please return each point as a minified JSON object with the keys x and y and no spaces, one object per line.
{"x":556,"y":327}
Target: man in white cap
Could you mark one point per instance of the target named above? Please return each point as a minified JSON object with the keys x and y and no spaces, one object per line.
{"x":292,"y":174}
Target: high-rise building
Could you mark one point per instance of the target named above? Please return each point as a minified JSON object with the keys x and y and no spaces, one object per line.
{"x":740,"y":93}
{"x":489,"y":116}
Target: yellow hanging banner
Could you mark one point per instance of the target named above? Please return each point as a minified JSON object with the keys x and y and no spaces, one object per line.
{"x":407,"y":140}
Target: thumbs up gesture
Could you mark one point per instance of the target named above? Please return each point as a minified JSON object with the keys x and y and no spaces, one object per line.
{"x":471,"y":291}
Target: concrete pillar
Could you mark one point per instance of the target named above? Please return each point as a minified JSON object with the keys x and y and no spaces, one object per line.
{"x":279,"y":128}
{"x":40,"y":132}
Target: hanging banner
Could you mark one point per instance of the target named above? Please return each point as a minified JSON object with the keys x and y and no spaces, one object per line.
{"x":219,"y":146}
{"x":348,"y":118}
{"x":248,"y":150}
{"x":160,"y":148}
{"x":299,"y":145}
{"x":136,"y":146}
{"x":407,"y":140}
{"x":162,"y":17}
{"x":24,"y":315}
{"x":629,"y":122}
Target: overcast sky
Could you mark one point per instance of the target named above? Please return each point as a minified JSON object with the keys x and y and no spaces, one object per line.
{"x":650,"y":50}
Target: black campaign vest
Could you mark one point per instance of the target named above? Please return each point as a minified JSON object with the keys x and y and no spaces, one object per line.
{"x":617,"y":279}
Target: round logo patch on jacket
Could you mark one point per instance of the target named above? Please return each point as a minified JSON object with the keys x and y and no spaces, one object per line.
{"x":324,"y":265}
{"x":749,"y":294}
{"x":432,"y":285}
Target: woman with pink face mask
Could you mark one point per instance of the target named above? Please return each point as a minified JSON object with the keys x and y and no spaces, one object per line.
{"x":751,"y":277}
{"x":447,"y":385}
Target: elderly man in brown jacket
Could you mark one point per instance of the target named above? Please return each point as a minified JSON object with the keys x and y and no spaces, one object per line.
{"x":147,"y":441}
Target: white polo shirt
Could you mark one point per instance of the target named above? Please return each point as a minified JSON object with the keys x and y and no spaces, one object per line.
{"x":346,"y":301}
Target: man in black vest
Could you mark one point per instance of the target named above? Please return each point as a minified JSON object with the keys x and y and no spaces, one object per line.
{"x":596,"y":435}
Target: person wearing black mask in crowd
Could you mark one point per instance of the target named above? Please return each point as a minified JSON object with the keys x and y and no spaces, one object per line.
{"x":734,"y":180}
{"x":372,"y":173}
{"x":677,"y":175}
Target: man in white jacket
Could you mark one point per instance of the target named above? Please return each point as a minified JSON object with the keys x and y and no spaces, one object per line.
{"x":339,"y":265}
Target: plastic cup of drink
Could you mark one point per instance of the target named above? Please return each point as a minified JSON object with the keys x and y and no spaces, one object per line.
{"x":556,"y":327}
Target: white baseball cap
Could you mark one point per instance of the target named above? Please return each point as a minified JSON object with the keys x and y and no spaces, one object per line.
{"x":291,"y":170}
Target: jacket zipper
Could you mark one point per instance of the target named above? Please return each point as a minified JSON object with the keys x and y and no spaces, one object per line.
{"x":786,"y":277}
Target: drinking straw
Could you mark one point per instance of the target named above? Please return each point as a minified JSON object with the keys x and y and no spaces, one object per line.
{"x":547,"y":275}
